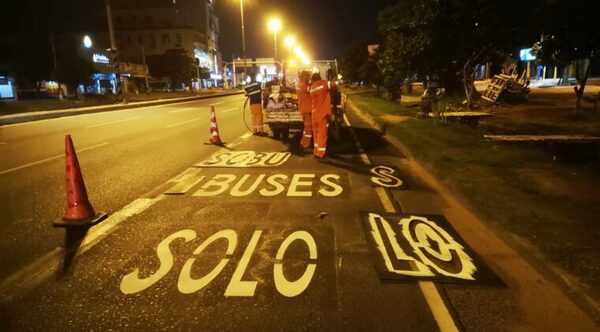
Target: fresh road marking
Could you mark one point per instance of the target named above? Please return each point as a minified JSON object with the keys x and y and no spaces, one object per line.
{"x":112,"y":122}
{"x":48,"y":159}
{"x":229,"y":110}
{"x":184,"y":122}
{"x":217,"y":103}
{"x":434,"y":300}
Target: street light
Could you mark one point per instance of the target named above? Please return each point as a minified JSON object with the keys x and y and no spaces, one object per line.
{"x":87,"y":41}
{"x":289,"y":42}
{"x":274,"y":26}
{"x":243,"y":40}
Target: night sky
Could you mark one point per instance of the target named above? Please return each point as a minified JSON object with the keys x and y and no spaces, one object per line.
{"x":324,"y":27}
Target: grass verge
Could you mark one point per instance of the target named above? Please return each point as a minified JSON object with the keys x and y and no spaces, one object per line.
{"x":552,"y":205}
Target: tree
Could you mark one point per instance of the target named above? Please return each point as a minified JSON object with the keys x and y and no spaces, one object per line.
{"x":351,"y":61}
{"x":174,"y":64}
{"x":73,"y":70}
{"x":571,"y":35}
{"x":446,"y":39}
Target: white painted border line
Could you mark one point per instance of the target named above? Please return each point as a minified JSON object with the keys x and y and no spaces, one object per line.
{"x":434,"y":300}
{"x":111,"y":122}
{"x":45,"y":267}
{"x":184,"y":122}
{"x":230,"y":110}
{"x":48,"y":159}
{"x":217,"y":103}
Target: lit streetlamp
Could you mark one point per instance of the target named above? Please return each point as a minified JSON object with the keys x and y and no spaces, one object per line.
{"x":243,"y":40}
{"x":274,"y":26}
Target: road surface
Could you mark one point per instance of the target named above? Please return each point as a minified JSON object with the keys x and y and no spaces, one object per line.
{"x":253,"y":236}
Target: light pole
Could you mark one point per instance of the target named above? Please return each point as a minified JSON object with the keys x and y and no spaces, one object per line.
{"x":275,"y":25}
{"x":115,"y":52}
{"x":243,"y":41}
{"x":289,"y":42}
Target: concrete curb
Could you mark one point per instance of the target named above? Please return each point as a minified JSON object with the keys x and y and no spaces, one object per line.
{"x":51,"y":114}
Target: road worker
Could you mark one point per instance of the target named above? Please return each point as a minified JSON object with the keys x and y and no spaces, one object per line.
{"x":305,"y":107}
{"x":321,"y":111}
{"x":253,"y":92}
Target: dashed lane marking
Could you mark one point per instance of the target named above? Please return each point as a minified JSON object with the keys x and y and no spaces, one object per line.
{"x":434,"y":300}
{"x":112,"y":122}
{"x":184,"y":122}
{"x":42,"y":269}
{"x":188,"y":109}
{"x":230,"y":110}
{"x":48,"y":159}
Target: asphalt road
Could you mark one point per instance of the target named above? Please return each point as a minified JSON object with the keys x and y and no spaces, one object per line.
{"x":123,"y":154}
{"x":253,"y":236}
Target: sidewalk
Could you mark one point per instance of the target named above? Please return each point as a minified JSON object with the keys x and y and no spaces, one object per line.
{"x":30,"y":110}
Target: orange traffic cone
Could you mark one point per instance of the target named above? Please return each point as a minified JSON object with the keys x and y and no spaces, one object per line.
{"x":79,"y":211}
{"x":214,"y":129}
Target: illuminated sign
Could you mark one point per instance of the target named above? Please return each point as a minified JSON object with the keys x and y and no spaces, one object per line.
{"x":216,"y":77}
{"x":526,"y":55}
{"x":100,"y":58}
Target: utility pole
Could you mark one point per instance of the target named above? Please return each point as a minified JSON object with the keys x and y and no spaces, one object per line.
{"x":243,"y":41}
{"x":53,"y":46}
{"x":146,"y":85}
{"x":114,"y":52}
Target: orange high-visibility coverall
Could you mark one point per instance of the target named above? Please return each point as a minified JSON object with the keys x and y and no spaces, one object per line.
{"x":321,"y":110}
{"x":305,"y":106}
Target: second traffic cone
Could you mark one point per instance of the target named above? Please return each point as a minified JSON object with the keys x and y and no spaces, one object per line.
{"x":79,"y":211}
{"x":214,"y":128}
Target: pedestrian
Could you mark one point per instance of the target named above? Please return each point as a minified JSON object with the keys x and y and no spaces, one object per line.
{"x":321,"y":111}
{"x":253,"y":92}
{"x":305,"y":107}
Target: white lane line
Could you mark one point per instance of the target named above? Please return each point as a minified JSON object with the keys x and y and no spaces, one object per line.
{"x":188,"y":109}
{"x":229,"y":110}
{"x":184,"y":122}
{"x":434,"y":300}
{"x":111,"y":122}
{"x":45,"y":267}
{"x":48,"y":159}
{"x":217,"y":103}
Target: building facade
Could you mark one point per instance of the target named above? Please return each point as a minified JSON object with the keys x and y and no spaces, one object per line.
{"x":151,"y":27}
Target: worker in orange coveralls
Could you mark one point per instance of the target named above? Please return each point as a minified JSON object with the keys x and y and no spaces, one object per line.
{"x":321,"y":111}
{"x":305,"y":106}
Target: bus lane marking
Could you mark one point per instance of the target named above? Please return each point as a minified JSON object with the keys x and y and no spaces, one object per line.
{"x":434,"y":300}
{"x":132,"y":283}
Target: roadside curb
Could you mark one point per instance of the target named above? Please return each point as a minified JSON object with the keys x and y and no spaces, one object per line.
{"x":543,"y":276}
{"x":51,"y":114}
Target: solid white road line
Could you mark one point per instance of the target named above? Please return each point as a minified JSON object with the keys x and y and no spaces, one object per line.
{"x":48,"y":159}
{"x":229,"y":110}
{"x":434,"y":300}
{"x":217,"y":103}
{"x":111,"y":122}
{"x":45,"y":267}
{"x":184,"y":122}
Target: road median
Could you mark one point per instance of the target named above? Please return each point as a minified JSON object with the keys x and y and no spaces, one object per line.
{"x":57,"y":113}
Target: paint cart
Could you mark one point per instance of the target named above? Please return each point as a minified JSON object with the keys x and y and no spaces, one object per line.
{"x":282,"y":114}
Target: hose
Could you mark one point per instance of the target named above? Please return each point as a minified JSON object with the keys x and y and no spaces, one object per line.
{"x":244,"y":113}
